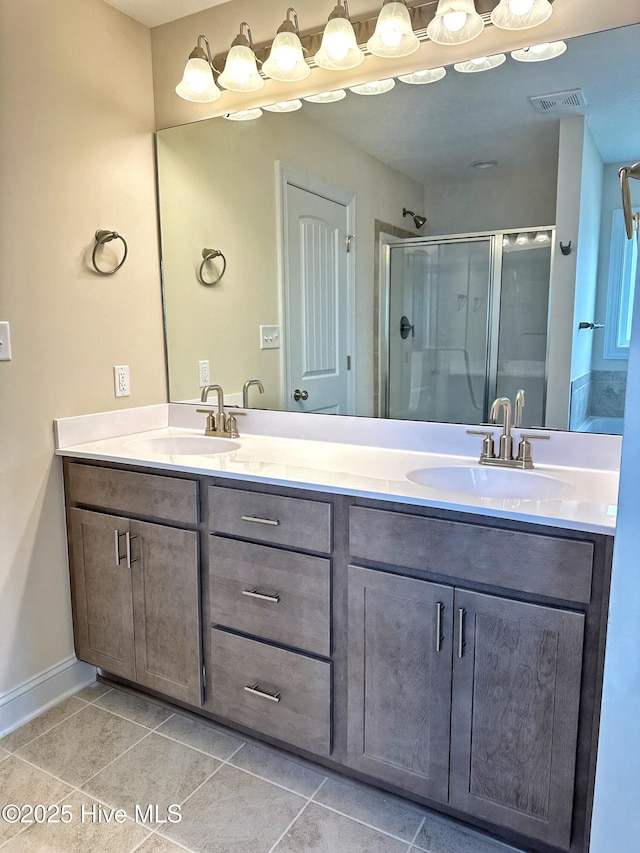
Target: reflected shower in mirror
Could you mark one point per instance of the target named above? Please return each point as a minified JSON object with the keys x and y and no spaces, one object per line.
{"x":308,"y":209}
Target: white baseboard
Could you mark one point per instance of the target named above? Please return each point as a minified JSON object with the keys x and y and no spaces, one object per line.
{"x":37,"y":694}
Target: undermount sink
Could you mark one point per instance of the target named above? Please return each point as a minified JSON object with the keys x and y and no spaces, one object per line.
{"x":486,"y":482}
{"x":182,"y":445}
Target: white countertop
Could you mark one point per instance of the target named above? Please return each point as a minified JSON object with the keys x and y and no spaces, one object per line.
{"x":586,"y":495}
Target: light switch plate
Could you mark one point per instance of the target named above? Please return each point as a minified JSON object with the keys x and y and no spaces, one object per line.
{"x":269,"y":337}
{"x":5,"y":341}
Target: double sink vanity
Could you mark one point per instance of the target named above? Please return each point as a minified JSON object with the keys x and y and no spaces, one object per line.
{"x":378,"y":602}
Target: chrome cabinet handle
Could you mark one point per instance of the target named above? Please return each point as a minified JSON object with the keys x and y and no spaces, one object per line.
{"x":461,"y":642}
{"x":439,"y":636}
{"x":272,"y":697}
{"x":263,"y":596}
{"x":273,"y":522}
{"x":128,"y":538}
{"x":116,"y":536}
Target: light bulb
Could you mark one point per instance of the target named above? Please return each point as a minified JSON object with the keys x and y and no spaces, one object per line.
{"x":286,"y":58}
{"x":240,"y":65}
{"x":197,"y":75}
{"x":454,"y":21}
{"x":391,"y":37}
{"x":338,"y":46}
{"x":522,"y":239}
{"x":520,"y":7}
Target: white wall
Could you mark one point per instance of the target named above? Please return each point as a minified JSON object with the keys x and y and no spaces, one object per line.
{"x":616,"y":816}
{"x":77,"y":155}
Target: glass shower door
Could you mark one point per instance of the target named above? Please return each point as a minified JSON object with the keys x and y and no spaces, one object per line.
{"x":438,"y":330}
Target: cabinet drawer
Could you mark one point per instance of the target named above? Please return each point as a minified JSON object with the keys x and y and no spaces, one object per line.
{"x":526,"y":562}
{"x":275,"y":594}
{"x":133,"y":493}
{"x":301,"y":524}
{"x":276,"y":692}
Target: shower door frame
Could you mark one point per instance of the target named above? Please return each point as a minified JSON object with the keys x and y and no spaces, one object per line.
{"x":387,"y":243}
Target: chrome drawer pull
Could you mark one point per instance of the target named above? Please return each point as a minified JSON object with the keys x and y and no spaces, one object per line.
{"x":256,"y":520}
{"x":263,"y":596}
{"x":272,"y":697}
{"x":117,"y":535}
{"x":128,"y":538}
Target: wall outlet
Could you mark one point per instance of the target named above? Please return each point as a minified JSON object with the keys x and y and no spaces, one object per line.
{"x":5,"y":341}
{"x":121,"y":380}
{"x":269,"y":337}
{"x":203,"y":372}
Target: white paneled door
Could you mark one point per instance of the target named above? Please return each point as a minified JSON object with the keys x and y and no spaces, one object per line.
{"x":316,"y":302}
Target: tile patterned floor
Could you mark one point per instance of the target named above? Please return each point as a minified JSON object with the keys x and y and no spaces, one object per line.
{"x":104,"y":750}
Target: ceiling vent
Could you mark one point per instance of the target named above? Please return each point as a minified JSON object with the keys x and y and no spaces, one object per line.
{"x":559,"y":101}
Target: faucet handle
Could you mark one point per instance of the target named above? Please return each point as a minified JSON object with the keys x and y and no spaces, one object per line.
{"x":524,"y":448}
{"x":211,"y":424}
{"x":488,"y":447}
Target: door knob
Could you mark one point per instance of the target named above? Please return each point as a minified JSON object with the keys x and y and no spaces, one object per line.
{"x":406,"y":328}
{"x":300,"y":395}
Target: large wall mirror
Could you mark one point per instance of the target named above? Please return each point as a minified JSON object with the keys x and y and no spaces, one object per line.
{"x":338,"y":299}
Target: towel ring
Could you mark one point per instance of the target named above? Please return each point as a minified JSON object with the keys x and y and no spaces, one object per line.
{"x":103,"y":237}
{"x":208,"y":255}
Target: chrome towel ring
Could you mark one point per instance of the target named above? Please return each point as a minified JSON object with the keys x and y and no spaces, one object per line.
{"x":208,"y":255}
{"x":631,"y":219}
{"x":103,"y":237}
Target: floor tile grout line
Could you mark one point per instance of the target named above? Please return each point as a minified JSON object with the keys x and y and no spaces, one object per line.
{"x":91,"y":778}
{"x":50,"y":729}
{"x":292,"y":823}
{"x":197,"y":749}
{"x":368,"y":825}
{"x":415,"y":837}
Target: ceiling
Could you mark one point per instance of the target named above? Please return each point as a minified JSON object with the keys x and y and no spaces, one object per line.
{"x":152,"y":13}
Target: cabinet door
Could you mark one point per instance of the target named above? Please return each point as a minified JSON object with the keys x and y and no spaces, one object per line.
{"x":516,"y":689}
{"x":101,"y":585}
{"x":399,"y":688}
{"x":166,"y":606}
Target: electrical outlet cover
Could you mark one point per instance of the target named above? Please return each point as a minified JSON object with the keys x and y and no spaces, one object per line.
{"x":5,"y":341}
{"x":121,"y":380}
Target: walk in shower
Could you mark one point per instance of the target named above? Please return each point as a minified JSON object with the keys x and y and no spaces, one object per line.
{"x":465,"y":321}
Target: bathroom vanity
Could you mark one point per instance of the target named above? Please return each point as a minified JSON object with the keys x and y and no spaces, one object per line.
{"x":451,"y":653}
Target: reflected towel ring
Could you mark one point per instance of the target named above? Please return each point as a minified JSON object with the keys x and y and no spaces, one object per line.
{"x":631,"y":219}
{"x":208,"y":255}
{"x":103,"y":237}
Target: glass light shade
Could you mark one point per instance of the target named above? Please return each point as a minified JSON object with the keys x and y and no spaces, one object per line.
{"x":377,"y":87}
{"x":286,"y":60}
{"x":542,"y":237}
{"x":339,"y":49}
{"x":540,"y":52}
{"x":327,"y":97}
{"x":393,"y":35}
{"x":482,"y":63}
{"x":284,"y":106}
{"x":521,"y":14}
{"x":429,"y":75}
{"x":240,"y":70}
{"x":244,"y":115}
{"x":197,"y":83}
{"x":455,"y":22}
{"x":522,"y":240}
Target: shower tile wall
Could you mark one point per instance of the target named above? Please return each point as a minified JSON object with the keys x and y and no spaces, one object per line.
{"x":598,"y":394}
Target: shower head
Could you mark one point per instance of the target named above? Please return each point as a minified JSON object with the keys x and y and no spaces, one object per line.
{"x":418,"y":220}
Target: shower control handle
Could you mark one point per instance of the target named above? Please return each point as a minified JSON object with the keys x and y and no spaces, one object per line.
{"x":300,"y":395}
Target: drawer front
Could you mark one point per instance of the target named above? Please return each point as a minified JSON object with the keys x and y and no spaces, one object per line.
{"x":526,"y":562}
{"x":275,"y":594}
{"x":301,"y":524}
{"x":276,"y":692}
{"x":133,"y":493}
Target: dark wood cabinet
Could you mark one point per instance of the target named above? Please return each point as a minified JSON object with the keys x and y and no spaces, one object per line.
{"x":466,"y":698}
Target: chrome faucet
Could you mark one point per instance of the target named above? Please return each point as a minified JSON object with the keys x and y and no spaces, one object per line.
{"x":218,"y":423}
{"x":506,"y":441}
{"x":505,"y":457}
{"x":519,"y":406}
{"x":245,"y":391}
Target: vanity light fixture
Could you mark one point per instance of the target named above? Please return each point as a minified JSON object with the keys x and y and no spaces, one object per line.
{"x":339,"y":48}
{"x":429,"y":75}
{"x":521,"y":14}
{"x":198,"y":84}
{"x":284,"y":106}
{"x":455,"y":22}
{"x":482,"y":63}
{"x":327,"y":97}
{"x":244,"y":115}
{"x":376,"y":87}
{"x":393,"y":35}
{"x":240,"y":70}
{"x":286,"y":60}
{"x":542,"y":237}
{"x":540,"y":52}
{"x":522,"y":239}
